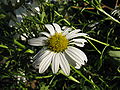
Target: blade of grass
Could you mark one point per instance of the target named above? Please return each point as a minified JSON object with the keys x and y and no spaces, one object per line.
{"x":91,"y":82}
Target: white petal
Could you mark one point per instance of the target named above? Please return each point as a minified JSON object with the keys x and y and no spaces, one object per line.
{"x":24,"y":37}
{"x":18,"y":1}
{"x":77,"y":59}
{"x":37,"y":9}
{"x":55,"y":63}
{"x":40,"y":53}
{"x":64,"y":27}
{"x":72,"y":62}
{"x":44,"y":64}
{"x":78,"y":42}
{"x":64,"y":64}
{"x":57,"y":28}
{"x":77,"y":55}
{"x":76,"y":35}
{"x":66,"y":31}
{"x":78,"y":66}
{"x":50,"y":29}
{"x":40,"y":41}
{"x":73,"y":32}
{"x":45,"y":33}
{"x":39,"y":57}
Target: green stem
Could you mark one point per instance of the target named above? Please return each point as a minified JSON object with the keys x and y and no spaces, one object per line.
{"x":85,"y":77}
{"x":100,"y":9}
{"x":106,"y":44}
{"x":94,"y":47}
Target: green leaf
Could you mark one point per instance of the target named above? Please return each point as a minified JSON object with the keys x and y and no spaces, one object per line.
{"x":29,"y":51}
{"x":114,"y":54}
{"x":43,"y":15}
{"x":2,"y":16}
{"x":3,"y":46}
{"x":41,"y":77}
{"x":19,"y":44}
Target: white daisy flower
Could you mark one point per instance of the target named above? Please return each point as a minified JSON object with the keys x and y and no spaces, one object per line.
{"x":58,"y":49}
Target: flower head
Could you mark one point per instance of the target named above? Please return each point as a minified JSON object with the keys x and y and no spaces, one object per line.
{"x":58,"y":49}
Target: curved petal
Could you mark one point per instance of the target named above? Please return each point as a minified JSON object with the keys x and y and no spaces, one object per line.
{"x":77,"y":55}
{"x":40,"y":41}
{"x":50,"y":29}
{"x":40,"y":53}
{"x":44,"y":64}
{"x":64,"y":27}
{"x":55,"y":63}
{"x":64,"y":64}
{"x":57,"y":28}
{"x":73,"y":32}
{"x":45,"y":33}
{"x":66,"y":31}
{"x":75,"y":58}
{"x":39,"y":57}
{"x":72,"y":62}
{"x":78,"y":42}
{"x":78,"y":66}
{"x":76,"y":35}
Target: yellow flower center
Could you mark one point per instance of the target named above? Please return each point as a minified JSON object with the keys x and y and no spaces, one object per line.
{"x":57,"y":42}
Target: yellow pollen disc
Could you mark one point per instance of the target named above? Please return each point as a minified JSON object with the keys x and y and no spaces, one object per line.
{"x":57,"y":42}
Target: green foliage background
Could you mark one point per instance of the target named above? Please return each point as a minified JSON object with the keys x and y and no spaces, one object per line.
{"x":101,"y":72}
